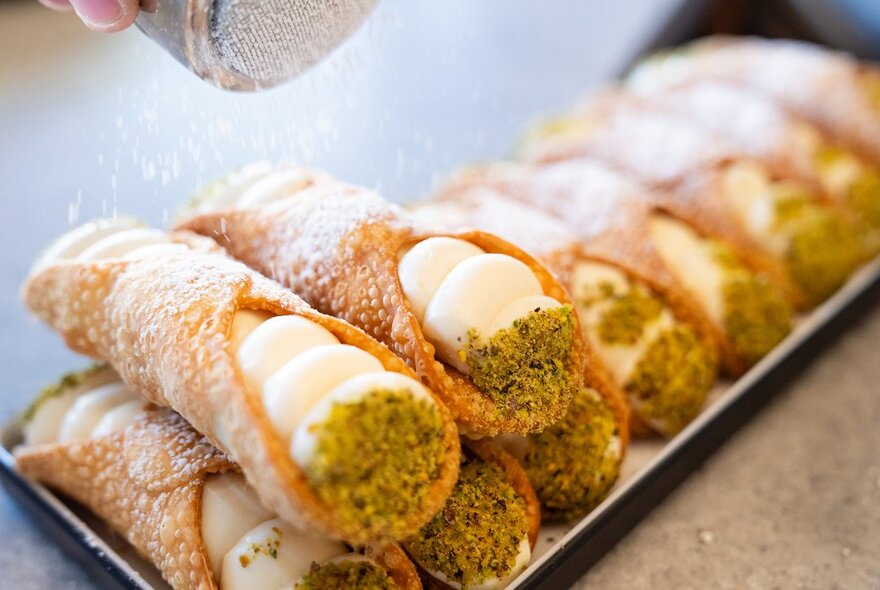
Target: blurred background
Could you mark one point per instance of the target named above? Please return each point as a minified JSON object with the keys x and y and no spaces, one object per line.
{"x":94,"y":124}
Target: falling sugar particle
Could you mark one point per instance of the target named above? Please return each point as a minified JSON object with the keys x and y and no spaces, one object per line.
{"x":73,"y":209}
{"x":149,"y":170}
{"x":706,"y":537}
{"x":206,"y":138}
{"x":846,"y":551}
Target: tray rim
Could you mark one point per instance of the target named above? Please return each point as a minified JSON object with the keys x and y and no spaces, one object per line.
{"x":596,"y":534}
{"x":54,"y":516}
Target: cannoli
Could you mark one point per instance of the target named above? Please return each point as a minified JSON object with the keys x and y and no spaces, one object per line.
{"x":725,"y":289}
{"x":758,"y":127}
{"x":483,"y":324}
{"x":484,"y":535}
{"x":664,"y":363}
{"x":333,"y":431}
{"x":573,"y":464}
{"x":831,"y":89}
{"x":178,"y":500}
{"x":749,"y":199}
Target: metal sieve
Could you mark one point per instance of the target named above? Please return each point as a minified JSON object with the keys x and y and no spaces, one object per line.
{"x":250,"y":44}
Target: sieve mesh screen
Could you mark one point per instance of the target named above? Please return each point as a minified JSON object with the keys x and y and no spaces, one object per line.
{"x":274,"y":40}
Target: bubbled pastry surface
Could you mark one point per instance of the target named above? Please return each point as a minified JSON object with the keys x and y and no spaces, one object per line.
{"x":683,"y":164}
{"x":144,"y":481}
{"x":607,"y":215}
{"x":163,"y":325}
{"x":821,"y":85}
{"x":338,"y":246}
{"x":546,"y":238}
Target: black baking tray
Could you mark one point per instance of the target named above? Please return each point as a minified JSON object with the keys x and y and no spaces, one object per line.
{"x":68,"y":525}
{"x":564,"y":553}
{"x":653,"y":468}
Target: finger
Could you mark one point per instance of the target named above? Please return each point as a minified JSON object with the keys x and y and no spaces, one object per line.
{"x":62,"y":5}
{"x":106,"y":15}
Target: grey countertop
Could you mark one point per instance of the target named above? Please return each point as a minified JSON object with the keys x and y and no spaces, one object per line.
{"x":90,"y":124}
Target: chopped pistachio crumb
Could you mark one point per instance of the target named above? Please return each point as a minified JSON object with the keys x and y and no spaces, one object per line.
{"x":671,"y":380}
{"x":525,"y":368}
{"x":269,"y":547}
{"x":624,"y":321}
{"x":573,"y":464}
{"x":864,"y":197}
{"x":756,"y":315}
{"x":67,"y":382}
{"x":476,"y":536}
{"x":823,"y":249}
{"x":376,"y":459}
{"x":348,"y":574}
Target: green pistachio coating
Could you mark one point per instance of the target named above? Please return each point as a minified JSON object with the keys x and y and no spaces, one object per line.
{"x":864,"y":197}
{"x":756,"y":315}
{"x":597,"y":293}
{"x":824,"y":247}
{"x":376,"y":459}
{"x":670,"y":382}
{"x":628,"y":314}
{"x":827,"y":155}
{"x":348,"y":574}
{"x":67,"y":382}
{"x":477,"y":534}
{"x":525,"y":368}
{"x":573,"y":464}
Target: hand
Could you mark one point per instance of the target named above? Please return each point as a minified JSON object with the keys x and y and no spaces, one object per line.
{"x":99,"y":15}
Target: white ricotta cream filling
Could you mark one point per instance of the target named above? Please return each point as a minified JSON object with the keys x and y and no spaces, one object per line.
{"x":104,"y":239}
{"x":456,"y":289}
{"x":689,"y":258}
{"x":749,"y":191}
{"x":274,"y":554}
{"x":522,"y":560}
{"x":300,"y":370}
{"x":620,"y":359}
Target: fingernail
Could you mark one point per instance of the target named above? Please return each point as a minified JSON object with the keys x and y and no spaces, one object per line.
{"x":62,"y":5}
{"x":99,"y":14}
